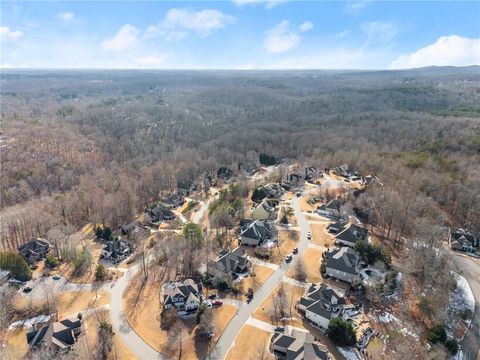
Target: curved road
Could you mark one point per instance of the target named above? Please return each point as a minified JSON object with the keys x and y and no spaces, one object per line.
{"x":471,"y":271}
{"x":227,"y":338}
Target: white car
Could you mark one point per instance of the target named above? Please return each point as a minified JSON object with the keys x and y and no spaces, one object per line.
{"x":309,"y":235}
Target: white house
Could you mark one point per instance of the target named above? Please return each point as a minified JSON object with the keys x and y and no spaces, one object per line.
{"x":181,"y":295}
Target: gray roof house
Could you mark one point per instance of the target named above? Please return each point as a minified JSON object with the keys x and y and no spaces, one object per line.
{"x":181,"y":295}
{"x":320,"y":304}
{"x":230,"y":263}
{"x":273,"y":190}
{"x":292,"y":181}
{"x":350,"y":235}
{"x":345,"y":170}
{"x":173,"y":201}
{"x":331,"y":209}
{"x":342,"y":264}
{"x":116,"y":250}
{"x":296,"y":344}
{"x":58,"y":336}
{"x":160,"y":213}
{"x":257,"y":232}
{"x":34,"y":250}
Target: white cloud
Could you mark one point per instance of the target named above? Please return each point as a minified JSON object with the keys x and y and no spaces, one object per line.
{"x":447,"y":50}
{"x":125,"y":39}
{"x":66,"y":16}
{"x":340,"y":34}
{"x":203,"y":22}
{"x":282,"y":38}
{"x":151,"y":61}
{"x":356,"y":6}
{"x":6,"y":34}
{"x":306,"y":26}
{"x":380,"y":31}
{"x":269,"y":4}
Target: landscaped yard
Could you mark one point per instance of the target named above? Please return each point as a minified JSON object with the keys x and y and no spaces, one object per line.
{"x":143,"y":309}
{"x":265,"y":311}
{"x":249,"y":344}
{"x":287,"y":240}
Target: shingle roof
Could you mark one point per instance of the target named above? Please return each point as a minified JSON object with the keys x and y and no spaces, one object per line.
{"x":352,"y":234}
{"x":343,"y":259}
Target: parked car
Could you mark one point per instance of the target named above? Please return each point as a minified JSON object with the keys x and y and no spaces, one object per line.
{"x":288,"y":258}
{"x":56,"y":277}
{"x":309,"y":235}
{"x":212,"y":296}
{"x":279,"y":329}
{"x":295,"y":250}
{"x":299,"y":194}
{"x":217,"y":303}
{"x":27,"y":289}
{"x":346,"y":180}
{"x":208,"y":304}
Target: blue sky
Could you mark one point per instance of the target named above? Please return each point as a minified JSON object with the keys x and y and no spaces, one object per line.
{"x":239,"y":34}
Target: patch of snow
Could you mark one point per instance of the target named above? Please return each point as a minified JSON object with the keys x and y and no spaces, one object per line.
{"x":386,"y":318}
{"x":29,"y":322}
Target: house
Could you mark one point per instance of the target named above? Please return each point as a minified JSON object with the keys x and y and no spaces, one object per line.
{"x":129,"y":228}
{"x":159,"y":214}
{"x":331,"y":209}
{"x":257,"y":232}
{"x":292,"y":181}
{"x":58,"y":336}
{"x":225,"y":173}
{"x":264,"y":211}
{"x":296,"y":344}
{"x":337,"y":226}
{"x":350,"y":235}
{"x":183,"y":296}
{"x":116,"y":250}
{"x":173,"y":201}
{"x":311,"y":174}
{"x":34,"y":250}
{"x":461,"y":240}
{"x":320,"y":304}
{"x":346,"y":171}
{"x":230,"y":263}
{"x":273,"y":190}
{"x":342,"y":264}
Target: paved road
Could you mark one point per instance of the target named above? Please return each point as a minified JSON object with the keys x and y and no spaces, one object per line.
{"x":120,"y":324}
{"x":471,"y":271}
{"x":233,"y":328}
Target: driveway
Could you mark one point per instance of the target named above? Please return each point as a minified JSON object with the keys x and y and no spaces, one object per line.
{"x":243,"y":315}
{"x":471,"y":271}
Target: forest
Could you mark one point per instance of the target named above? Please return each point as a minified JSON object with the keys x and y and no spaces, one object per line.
{"x":100,"y":146}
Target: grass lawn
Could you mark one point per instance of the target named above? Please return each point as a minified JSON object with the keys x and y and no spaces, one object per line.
{"x":119,"y":349}
{"x":294,"y":293}
{"x":320,"y":237}
{"x":288,"y":240}
{"x":16,"y":346}
{"x":305,"y":206}
{"x":249,"y":344}
{"x":262,"y":273}
{"x":311,"y":260}
{"x":144,"y":317}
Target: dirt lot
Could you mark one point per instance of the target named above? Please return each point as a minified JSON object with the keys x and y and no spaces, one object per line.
{"x":320,"y":237}
{"x":294,"y":293}
{"x":311,"y":260}
{"x":249,"y":344}
{"x":305,"y":206}
{"x":145,"y":319}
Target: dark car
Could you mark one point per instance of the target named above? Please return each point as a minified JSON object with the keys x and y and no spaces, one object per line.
{"x":27,"y":289}
{"x":295,"y":250}
{"x":213,"y":296}
{"x":299,"y":194}
{"x":217,"y":303}
{"x":288,"y":258}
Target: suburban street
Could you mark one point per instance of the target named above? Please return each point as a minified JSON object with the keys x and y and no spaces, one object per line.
{"x":471,"y":271}
{"x":227,"y":338}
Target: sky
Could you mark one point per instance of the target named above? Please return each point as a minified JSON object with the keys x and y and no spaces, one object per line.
{"x":239,"y":34}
